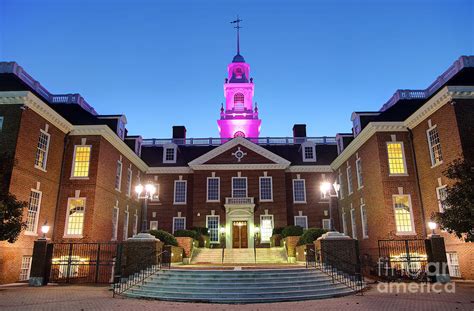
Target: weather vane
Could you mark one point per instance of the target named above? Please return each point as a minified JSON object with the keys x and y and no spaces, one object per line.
{"x":237,"y":21}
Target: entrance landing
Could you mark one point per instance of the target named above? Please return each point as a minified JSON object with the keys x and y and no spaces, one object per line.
{"x":240,"y":256}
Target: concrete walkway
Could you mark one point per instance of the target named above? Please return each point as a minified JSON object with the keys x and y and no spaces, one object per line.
{"x":71,"y":298}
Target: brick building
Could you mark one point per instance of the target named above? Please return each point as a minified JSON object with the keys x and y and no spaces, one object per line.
{"x":391,"y":166}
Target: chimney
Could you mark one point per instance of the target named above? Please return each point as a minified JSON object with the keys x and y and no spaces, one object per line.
{"x":299,"y":131}
{"x":179,"y":134}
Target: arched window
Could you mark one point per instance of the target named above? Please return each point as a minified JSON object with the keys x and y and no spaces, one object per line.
{"x":239,"y":101}
{"x":239,"y":134}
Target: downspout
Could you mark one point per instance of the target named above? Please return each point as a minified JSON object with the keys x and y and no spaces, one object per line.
{"x":417,"y":180}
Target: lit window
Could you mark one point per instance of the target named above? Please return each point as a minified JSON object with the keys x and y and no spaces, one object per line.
{"x":299,"y":191}
{"x":353,"y":223}
{"x":75,"y":217}
{"x":239,"y":101}
{"x":169,"y":153}
{"x":344,"y":223}
{"x":349,"y":179}
{"x":434,"y":145}
{"x":154,"y":225}
{"x":212,"y":223}
{"x":118,"y":175}
{"x":359,"y":173}
{"x":396,"y":158}
{"x":301,"y":221}
{"x":403,"y":214}
{"x":363,"y":218}
{"x":179,"y":223}
{"x":125,"y":225}
{"x":115,"y":219}
{"x":42,"y":150}
{"x":129,"y":182}
{"x":33,"y":211}
{"x":326,"y":224}
{"x":453,"y":265}
{"x":80,"y":165}
{"x":239,"y":187}
{"x":266,"y":191}
{"x":25,"y":268}
{"x":309,"y":151}
{"x":442,"y":194}
{"x":213,"y":189}
{"x":266,"y":228}
{"x":180,"y":191}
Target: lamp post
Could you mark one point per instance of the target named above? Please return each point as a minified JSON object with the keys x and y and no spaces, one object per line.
{"x":45,"y":229}
{"x":325,"y":189}
{"x":432,"y":225}
{"x":149,"y":191}
{"x":222,"y":231}
{"x":256,"y":231}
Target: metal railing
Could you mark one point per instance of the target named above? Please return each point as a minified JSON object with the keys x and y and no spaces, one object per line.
{"x":238,"y":201}
{"x":340,"y":271}
{"x":142,"y":273}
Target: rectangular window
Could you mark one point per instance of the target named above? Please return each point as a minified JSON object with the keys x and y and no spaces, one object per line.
{"x":81,"y":161}
{"x":75,"y":217}
{"x":396,"y":158}
{"x":301,"y":221}
{"x":135,"y":224}
{"x":341,"y":188}
{"x":363,"y":218}
{"x":344,"y":223}
{"x":115,"y":219}
{"x":349,"y":179}
{"x":403,"y":214}
{"x":266,"y":228}
{"x":154,"y":225}
{"x":299,"y":191}
{"x":266,"y":191}
{"x":442,"y":194}
{"x":25,"y":268}
{"x":212,"y":223}
{"x":180,"y":191}
{"x":434,"y":145}
{"x":179,"y":223}
{"x":353,"y":224}
{"x":169,"y":153}
{"x":42,"y":150}
{"x":118,"y":175}
{"x":125,"y":225}
{"x":34,"y":205}
{"x":129,"y":182}
{"x":453,"y":265}
{"x":239,"y":187}
{"x":213,"y":191}
{"x":359,"y":173}
{"x":327,"y":224}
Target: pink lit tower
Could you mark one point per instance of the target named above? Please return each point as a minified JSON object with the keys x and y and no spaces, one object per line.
{"x":239,"y":118}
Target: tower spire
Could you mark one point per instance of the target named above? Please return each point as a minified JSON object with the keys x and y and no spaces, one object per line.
{"x":237,"y":21}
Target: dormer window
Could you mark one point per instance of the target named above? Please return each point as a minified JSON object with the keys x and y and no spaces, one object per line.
{"x":308,"y":150}
{"x":170,"y":153}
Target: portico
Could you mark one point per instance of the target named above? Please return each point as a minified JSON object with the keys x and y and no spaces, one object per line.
{"x":239,"y":222}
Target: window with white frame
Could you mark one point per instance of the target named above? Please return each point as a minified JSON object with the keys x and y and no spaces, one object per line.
{"x":129,"y":182}
{"x":75,"y":217}
{"x":453,"y":264}
{"x":301,"y":221}
{"x":212,"y":224}
{"x":434,"y":145}
{"x":115,"y":220}
{"x":309,"y":151}
{"x":442,"y":194}
{"x":239,"y":187}
{"x":353,"y":223}
{"x":266,"y":191}
{"x":32,"y":216}
{"x":349,"y":180}
{"x":344,"y":223}
{"x":25,"y":268}
{"x":179,"y":223}
{"x":403,"y":214}
{"x":266,"y":228}
{"x":81,"y":161}
{"x":396,"y":158}
{"x":363,"y":218}
{"x":326,"y":224}
{"x":42,"y":150}
{"x":213,"y":189}
{"x":359,"y":173}
{"x":125,"y":224}
{"x":135,"y":224}
{"x":169,"y":153}
{"x":154,"y":225}
{"x":118,"y":175}
{"x":341,"y":186}
{"x":180,"y":191}
{"x":299,"y":191}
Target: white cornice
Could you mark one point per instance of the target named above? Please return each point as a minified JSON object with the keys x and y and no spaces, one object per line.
{"x":363,"y":136}
{"x":221,"y":167}
{"x":309,"y":169}
{"x":243,"y":142}
{"x":38,"y":106}
{"x":170,"y":170}
{"x":111,"y":137}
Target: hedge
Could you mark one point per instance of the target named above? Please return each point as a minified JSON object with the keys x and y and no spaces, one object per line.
{"x":201,"y":230}
{"x":310,"y":235}
{"x":164,"y":237}
{"x":277,"y":230}
{"x":291,"y":231}
{"x":187,"y":233}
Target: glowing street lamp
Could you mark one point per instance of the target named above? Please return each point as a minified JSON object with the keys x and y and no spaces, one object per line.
{"x":148,"y":191}
{"x":432,"y":225}
{"x":45,"y":229}
{"x":325,"y":188}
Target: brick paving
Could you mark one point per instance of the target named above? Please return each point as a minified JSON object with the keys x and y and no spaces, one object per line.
{"x":73,"y":298}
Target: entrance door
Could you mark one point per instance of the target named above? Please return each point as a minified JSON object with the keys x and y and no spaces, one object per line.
{"x":239,"y":234}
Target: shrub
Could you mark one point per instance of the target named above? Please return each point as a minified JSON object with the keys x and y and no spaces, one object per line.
{"x":187,"y":233}
{"x":292,"y":231}
{"x":201,"y":230}
{"x":164,"y":237}
{"x":277,"y":230}
{"x":310,"y":235}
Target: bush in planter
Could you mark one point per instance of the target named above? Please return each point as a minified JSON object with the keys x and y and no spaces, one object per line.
{"x":310,"y":235}
{"x":164,"y":237}
{"x":277,"y":230}
{"x":292,"y":231}
{"x":201,"y":230}
{"x":187,"y":233}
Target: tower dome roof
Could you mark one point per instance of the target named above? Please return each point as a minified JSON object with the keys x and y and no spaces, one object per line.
{"x":238,"y":59}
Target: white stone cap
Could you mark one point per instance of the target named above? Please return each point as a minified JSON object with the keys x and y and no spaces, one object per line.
{"x":334,"y":235}
{"x":143,"y":237}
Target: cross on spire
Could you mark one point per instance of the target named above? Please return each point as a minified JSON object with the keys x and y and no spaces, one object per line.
{"x":237,"y":21}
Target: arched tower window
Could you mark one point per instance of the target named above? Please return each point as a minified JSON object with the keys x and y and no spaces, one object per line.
{"x":239,"y":134}
{"x":239,"y":101}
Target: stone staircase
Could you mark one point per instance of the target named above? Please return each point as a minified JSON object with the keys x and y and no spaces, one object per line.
{"x":239,"y":255}
{"x":238,"y":286}
{"x":206,"y":255}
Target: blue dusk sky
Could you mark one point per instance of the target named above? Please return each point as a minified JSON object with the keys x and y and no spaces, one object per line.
{"x":163,"y":63}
